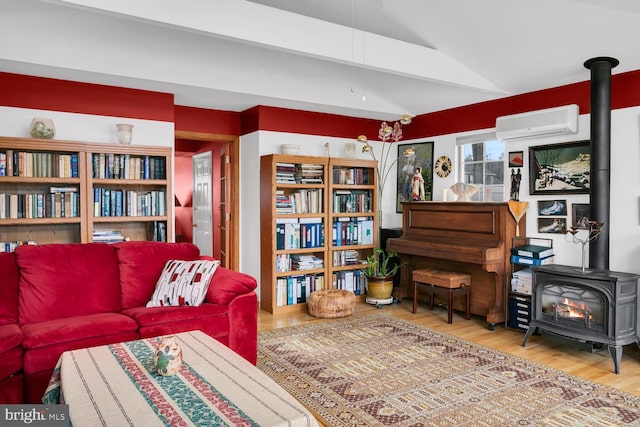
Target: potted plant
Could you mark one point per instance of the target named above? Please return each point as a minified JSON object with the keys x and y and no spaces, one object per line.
{"x":379,"y":272}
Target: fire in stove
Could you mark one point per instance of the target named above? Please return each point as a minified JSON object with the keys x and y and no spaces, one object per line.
{"x":573,"y":310}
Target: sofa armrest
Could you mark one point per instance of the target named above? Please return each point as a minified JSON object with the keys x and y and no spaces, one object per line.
{"x":227,"y":284}
{"x":243,"y":326}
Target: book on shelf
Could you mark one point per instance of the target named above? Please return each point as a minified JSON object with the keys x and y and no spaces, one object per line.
{"x":532,"y":251}
{"x":517,"y":259}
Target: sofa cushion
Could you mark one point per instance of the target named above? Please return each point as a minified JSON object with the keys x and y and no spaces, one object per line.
{"x":141,"y":263}
{"x":65,"y":280}
{"x":44,"y":342}
{"x":183,"y":283}
{"x":10,"y":336}
{"x":8,"y":288}
{"x":211,"y":319}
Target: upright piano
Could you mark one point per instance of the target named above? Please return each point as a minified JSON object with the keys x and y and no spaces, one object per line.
{"x":469,"y":237}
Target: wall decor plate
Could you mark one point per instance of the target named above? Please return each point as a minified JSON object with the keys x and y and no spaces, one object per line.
{"x":443,"y":166}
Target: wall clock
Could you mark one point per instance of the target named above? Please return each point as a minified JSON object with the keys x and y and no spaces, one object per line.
{"x":443,"y":166}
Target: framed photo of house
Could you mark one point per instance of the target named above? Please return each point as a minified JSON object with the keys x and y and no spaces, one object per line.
{"x":560,"y":168}
{"x":516,"y":159}
{"x":580,"y":215}
{"x":552,"y":207}
{"x":552,"y":225}
{"x":415,"y":173}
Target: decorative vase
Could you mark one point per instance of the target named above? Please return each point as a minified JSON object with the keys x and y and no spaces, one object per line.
{"x":42,"y":128}
{"x":168,"y":356}
{"x":444,"y":194}
{"x":125,"y":133}
{"x":380,"y":287}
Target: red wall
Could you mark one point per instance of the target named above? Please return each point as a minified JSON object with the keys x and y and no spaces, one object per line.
{"x":60,"y":95}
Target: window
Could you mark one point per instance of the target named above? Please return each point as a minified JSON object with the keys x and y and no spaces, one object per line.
{"x":483,"y":166}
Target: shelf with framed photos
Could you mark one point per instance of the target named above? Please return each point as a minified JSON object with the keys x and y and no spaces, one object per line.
{"x":525,"y":252}
{"x":353,"y":219}
{"x":293,"y":218}
{"x":47,"y":192}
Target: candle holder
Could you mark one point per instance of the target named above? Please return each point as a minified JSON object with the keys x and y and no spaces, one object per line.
{"x":589,"y":233}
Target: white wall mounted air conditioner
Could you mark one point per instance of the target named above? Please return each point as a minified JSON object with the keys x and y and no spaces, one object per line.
{"x":537,"y":124}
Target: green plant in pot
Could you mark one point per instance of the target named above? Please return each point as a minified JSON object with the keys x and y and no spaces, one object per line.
{"x":380,"y":271}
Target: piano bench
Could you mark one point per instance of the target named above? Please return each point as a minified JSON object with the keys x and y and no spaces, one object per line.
{"x":442,"y":283}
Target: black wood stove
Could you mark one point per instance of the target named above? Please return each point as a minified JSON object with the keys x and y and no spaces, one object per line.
{"x":591,"y":307}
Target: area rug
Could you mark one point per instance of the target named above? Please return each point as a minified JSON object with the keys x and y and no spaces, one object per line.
{"x":377,"y":370}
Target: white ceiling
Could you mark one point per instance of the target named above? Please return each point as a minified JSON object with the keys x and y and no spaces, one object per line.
{"x":401,"y":56}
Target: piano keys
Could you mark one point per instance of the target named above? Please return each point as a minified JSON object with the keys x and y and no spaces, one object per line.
{"x":469,"y":237}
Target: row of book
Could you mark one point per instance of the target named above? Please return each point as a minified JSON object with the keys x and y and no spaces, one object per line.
{"x":352,"y":176}
{"x":11,"y":246}
{"x":352,"y":231}
{"x":108,"y":236}
{"x":40,"y":205}
{"x":350,"y":280}
{"x":159,"y":231}
{"x":300,"y":201}
{"x":297,"y":233}
{"x":38,"y":164}
{"x":346,"y":257}
{"x":125,"y":166}
{"x":298,"y":262}
{"x":296,"y":289}
{"x":532,"y":254}
{"x":108,"y":202}
{"x":350,"y":201}
{"x":308,"y":173}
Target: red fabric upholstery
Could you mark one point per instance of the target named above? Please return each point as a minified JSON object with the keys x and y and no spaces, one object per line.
{"x":11,"y":390}
{"x":141,"y":264}
{"x":66,"y":280}
{"x":212,"y":319}
{"x":8,"y":288}
{"x":11,"y":362}
{"x":10,"y":337}
{"x":243,"y":335}
{"x":227,"y":284}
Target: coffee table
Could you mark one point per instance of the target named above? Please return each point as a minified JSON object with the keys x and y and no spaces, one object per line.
{"x":116,"y":385}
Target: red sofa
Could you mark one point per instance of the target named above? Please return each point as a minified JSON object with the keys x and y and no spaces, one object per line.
{"x":68,"y":296}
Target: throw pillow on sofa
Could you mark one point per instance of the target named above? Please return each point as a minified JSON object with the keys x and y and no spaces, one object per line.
{"x":183,"y":283}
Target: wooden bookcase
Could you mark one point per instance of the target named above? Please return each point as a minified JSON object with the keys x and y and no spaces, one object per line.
{"x":298,"y":220}
{"x":50,"y":199}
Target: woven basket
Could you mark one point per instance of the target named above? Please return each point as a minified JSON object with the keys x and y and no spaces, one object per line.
{"x":331,"y":303}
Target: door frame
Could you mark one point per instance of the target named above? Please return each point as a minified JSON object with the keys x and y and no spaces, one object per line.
{"x":233,"y":149}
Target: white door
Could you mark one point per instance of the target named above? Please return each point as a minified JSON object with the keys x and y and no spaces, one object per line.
{"x":202,"y":203}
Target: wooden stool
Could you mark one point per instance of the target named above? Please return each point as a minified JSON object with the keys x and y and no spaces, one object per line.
{"x":443,"y":283}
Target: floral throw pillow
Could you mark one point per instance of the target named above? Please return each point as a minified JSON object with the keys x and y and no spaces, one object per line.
{"x":183,"y":283}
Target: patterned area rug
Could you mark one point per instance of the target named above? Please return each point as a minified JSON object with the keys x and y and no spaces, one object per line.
{"x":378,"y":370}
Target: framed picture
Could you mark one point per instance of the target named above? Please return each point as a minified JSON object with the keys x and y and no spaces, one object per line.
{"x":516,"y":159}
{"x":560,"y":168}
{"x":580,"y":215}
{"x":552,"y":225}
{"x":552,"y":207}
{"x":415,"y":173}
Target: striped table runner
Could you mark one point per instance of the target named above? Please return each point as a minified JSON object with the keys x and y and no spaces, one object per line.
{"x":116,"y":385}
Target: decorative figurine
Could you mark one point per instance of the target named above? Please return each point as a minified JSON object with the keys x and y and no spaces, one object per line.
{"x":168,"y":356}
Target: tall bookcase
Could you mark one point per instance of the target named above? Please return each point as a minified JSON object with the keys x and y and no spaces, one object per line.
{"x":47,"y":190}
{"x":315,"y":213}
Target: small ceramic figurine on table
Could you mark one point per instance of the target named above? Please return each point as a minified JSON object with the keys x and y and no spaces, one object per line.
{"x":168,"y":356}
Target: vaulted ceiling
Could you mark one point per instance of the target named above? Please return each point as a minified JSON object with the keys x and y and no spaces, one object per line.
{"x":363,"y":58}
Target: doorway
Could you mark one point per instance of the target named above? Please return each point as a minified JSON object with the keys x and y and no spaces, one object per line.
{"x":224,"y":206}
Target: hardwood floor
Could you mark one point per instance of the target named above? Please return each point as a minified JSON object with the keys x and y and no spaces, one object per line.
{"x":597,"y":367}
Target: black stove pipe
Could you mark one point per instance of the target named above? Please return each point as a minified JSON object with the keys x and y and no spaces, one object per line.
{"x":600,"y":185}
